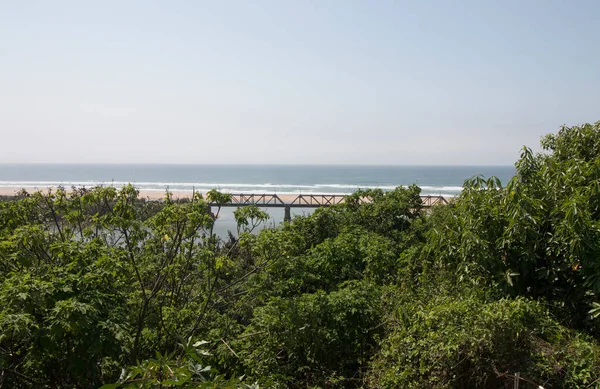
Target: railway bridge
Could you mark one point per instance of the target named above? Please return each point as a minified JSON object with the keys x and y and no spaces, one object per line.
{"x":287,"y":202}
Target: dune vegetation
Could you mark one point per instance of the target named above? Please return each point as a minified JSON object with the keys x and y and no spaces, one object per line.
{"x":101,"y":289}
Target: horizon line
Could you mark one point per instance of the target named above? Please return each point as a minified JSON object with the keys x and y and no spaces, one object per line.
{"x":246,"y":164}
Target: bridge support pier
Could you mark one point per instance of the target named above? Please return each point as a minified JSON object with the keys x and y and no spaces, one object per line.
{"x":287,"y":216}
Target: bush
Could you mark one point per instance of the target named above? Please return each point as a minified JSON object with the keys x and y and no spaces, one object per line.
{"x":458,"y":342}
{"x":315,"y":339}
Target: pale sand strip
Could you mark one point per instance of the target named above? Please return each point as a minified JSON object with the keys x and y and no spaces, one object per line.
{"x":145,"y":194}
{"x":9,"y":191}
{"x":158,"y":195}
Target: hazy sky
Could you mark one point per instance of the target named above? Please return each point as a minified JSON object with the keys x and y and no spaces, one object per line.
{"x":359,"y":82}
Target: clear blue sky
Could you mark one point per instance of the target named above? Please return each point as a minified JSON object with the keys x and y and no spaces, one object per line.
{"x":365,"y":82}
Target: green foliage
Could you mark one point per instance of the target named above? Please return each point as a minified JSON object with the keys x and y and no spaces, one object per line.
{"x":186,"y":370}
{"x":62,"y":295}
{"x":316,"y":339}
{"x":387,"y":213}
{"x":99,"y":287}
{"x":446,"y":341}
{"x":351,"y":255}
{"x":100,"y":274}
{"x":249,"y":217}
{"x":539,"y":236}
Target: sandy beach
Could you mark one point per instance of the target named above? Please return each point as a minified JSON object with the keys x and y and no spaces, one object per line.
{"x":147,"y":194}
{"x":286,"y":198}
{"x":143,"y":194}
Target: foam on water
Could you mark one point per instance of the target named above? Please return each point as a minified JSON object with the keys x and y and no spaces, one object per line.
{"x":280,"y":179}
{"x":228,"y":187}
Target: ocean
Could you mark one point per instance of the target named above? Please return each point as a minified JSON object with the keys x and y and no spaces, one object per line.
{"x":281,"y":179}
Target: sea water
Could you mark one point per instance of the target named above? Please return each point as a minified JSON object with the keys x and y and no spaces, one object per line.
{"x":279,"y":179}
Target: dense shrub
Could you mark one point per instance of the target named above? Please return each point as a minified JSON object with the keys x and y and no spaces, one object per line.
{"x":539,"y":236}
{"x":98,"y":286}
{"x":317,"y":339}
{"x":451,"y":341}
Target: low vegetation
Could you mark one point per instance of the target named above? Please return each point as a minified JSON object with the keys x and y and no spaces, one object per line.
{"x":101,"y":289}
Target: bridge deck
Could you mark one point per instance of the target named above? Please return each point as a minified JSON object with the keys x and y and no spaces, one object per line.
{"x":304,"y":200}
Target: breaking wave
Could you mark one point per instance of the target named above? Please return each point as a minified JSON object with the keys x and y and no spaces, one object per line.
{"x":232,"y":187}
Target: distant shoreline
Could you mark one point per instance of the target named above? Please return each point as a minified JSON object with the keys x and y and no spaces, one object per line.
{"x":282,"y":180}
{"x":143,"y":194}
{"x":149,"y":194}
{"x":153,"y":195}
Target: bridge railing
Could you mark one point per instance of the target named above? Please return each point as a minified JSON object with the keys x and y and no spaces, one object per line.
{"x":305,"y":200}
{"x":430,"y":201}
{"x":317,"y":200}
{"x":265,"y":200}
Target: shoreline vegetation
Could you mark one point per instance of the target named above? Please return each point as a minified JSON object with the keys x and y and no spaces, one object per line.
{"x":99,"y":289}
{"x":155,"y":195}
{"x":142,"y":194}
